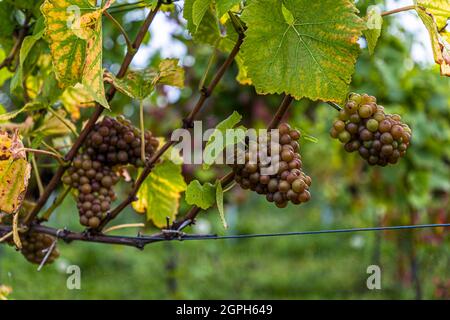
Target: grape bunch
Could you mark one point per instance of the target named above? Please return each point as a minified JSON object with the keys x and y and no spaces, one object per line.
{"x":289,"y":182}
{"x":94,"y":182}
{"x":363,"y":126}
{"x":114,"y":142}
{"x":36,"y":245}
{"x":111,"y":143}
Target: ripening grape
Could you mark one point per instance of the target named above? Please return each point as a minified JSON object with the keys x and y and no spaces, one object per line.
{"x":290,"y":183}
{"x":111,"y":143}
{"x":363,"y":126}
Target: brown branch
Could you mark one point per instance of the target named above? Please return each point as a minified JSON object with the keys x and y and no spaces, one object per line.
{"x":281,"y":111}
{"x":187,"y":123}
{"x":94,"y":117}
{"x":406,"y":8}
{"x":189,"y":218}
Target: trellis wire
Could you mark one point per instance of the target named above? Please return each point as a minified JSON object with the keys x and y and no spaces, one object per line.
{"x":184,"y":237}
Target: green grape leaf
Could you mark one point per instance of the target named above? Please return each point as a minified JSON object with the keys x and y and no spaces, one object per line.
{"x":434,"y":15}
{"x":223,"y":6}
{"x":14,"y":173}
{"x":203,"y":26}
{"x":5,"y":74}
{"x":222,"y":137}
{"x":199,"y":9}
{"x":202,"y":196}
{"x":7,"y":22}
{"x":219,"y":201}
{"x":374,"y":23}
{"x":313,"y":57}
{"x":160,"y":193}
{"x":139,"y":84}
{"x":27,"y":44}
{"x":74,"y":32}
{"x":31,"y":106}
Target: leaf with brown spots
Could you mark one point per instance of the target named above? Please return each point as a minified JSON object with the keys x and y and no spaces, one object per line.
{"x":74,"y":32}
{"x":14,"y":173}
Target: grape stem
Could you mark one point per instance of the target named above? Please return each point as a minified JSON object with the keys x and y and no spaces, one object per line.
{"x":335,"y":105}
{"x":121,"y":29}
{"x":401,"y":9}
{"x":53,"y":184}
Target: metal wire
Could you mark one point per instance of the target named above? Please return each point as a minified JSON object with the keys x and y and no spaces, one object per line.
{"x":186,"y":237}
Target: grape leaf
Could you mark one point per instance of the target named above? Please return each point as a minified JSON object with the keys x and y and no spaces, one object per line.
{"x":74,"y":32}
{"x":313,"y":57}
{"x":53,"y":125}
{"x":4,"y":73}
{"x":223,"y":6}
{"x":160,"y":193}
{"x":374,"y":23}
{"x":74,"y":99}
{"x":206,"y":30}
{"x":219,"y":140}
{"x":434,"y":15}
{"x":14,"y":173}
{"x":202,"y":196}
{"x":31,"y":106}
{"x":139,"y":84}
{"x":219,"y":201}
{"x":27,"y":44}
{"x":203,"y":26}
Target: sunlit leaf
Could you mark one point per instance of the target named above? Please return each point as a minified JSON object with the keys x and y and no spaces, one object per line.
{"x":313,"y":57}
{"x":14,"y":173}
{"x":202,"y":196}
{"x":159,"y":196}
{"x":75,"y":99}
{"x":139,"y":84}
{"x":374,"y":23}
{"x":74,"y":32}
{"x":434,"y":15}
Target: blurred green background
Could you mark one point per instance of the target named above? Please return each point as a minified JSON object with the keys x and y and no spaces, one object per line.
{"x":346,"y":193}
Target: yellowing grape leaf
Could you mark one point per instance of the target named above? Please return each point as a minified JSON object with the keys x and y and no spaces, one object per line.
{"x":5,"y":291}
{"x":202,"y":196}
{"x":74,"y":99}
{"x":74,"y":32}
{"x":374,"y":23}
{"x":434,"y":15}
{"x":312,"y":57}
{"x":55,"y":125}
{"x":139,"y":84}
{"x":14,"y":172}
{"x":160,"y":193}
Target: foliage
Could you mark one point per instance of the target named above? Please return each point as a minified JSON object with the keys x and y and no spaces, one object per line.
{"x":52,"y":83}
